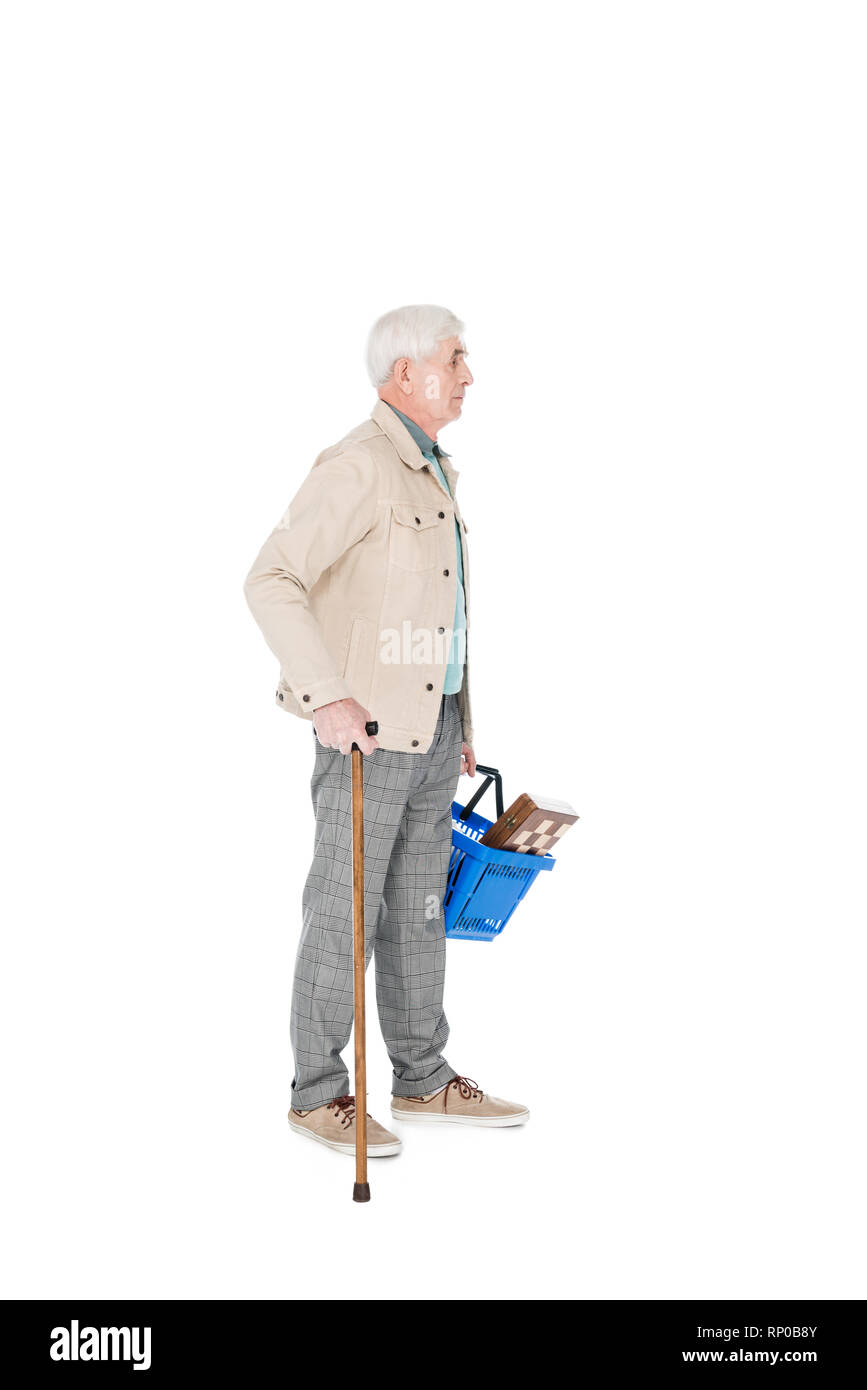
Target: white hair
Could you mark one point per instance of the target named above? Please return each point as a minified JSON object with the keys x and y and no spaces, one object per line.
{"x":412,"y":332}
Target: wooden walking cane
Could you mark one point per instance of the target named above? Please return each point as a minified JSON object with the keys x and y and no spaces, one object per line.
{"x":361,"y":1190}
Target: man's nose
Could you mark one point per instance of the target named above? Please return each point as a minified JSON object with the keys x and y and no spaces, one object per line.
{"x":467,"y":375}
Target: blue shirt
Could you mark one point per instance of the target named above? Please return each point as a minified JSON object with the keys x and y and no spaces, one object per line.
{"x":455,"y":669}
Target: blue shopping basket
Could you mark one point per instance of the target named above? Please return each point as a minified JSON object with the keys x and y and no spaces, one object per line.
{"x":484,"y":885}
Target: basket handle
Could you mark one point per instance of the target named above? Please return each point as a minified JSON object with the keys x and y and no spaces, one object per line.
{"x":492,"y":776}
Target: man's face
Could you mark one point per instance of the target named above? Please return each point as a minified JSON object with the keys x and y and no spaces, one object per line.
{"x":440,"y":381}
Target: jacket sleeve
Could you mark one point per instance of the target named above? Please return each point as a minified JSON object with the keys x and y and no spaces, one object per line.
{"x":334,"y":507}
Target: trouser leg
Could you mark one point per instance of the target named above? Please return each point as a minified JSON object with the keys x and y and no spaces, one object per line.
{"x":322,"y":990}
{"x":410,"y":942}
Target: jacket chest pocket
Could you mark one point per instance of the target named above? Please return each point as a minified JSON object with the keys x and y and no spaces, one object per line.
{"x":413,"y":540}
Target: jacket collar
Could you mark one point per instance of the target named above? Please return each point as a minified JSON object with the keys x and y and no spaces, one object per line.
{"x":393,"y":427}
{"x":423,"y":440}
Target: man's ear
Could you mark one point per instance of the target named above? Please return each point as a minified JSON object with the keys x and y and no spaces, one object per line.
{"x":402,"y":377}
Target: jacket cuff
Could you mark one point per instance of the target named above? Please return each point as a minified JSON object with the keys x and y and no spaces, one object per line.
{"x":322,"y":692}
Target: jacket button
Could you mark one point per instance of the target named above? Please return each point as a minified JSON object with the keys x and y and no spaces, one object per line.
{"x":305,"y":697}
{"x":428,"y":686}
{"x":440,"y":629}
{"x":440,"y":515}
{"x":446,"y":573}
{"x":415,"y":743}
{"x":281,"y":697}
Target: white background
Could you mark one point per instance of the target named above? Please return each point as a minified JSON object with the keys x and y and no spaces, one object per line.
{"x":652,"y":220}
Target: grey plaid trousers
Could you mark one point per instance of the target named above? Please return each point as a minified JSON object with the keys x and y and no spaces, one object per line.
{"x":407,"y":842}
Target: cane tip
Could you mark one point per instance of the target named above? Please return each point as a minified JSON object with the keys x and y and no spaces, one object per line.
{"x":361,"y":1192}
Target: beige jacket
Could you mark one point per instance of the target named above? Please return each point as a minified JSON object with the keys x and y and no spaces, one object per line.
{"x":361,"y":566}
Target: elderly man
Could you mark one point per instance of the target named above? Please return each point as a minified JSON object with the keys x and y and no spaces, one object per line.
{"x":361,"y":591}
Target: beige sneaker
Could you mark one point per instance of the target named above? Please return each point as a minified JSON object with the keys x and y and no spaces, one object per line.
{"x":461,"y":1102}
{"x":334,"y":1124}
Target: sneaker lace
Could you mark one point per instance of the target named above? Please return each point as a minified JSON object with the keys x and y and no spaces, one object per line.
{"x":469,"y":1090}
{"x":344,"y":1108}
